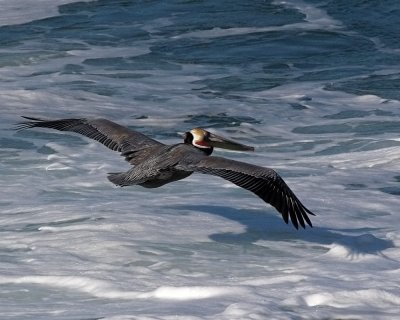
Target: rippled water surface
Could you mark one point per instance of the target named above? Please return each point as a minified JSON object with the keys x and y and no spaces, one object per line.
{"x":313,"y":85}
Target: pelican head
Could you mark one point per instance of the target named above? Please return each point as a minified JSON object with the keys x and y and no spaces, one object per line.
{"x":206,"y":141}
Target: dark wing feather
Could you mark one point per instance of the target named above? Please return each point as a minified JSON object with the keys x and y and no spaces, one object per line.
{"x":264,"y":182}
{"x":110,"y":134}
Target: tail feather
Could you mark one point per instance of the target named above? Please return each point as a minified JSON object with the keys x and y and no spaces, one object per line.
{"x":118,"y":178}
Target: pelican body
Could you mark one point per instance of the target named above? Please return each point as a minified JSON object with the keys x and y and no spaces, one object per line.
{"x":155,"y":164}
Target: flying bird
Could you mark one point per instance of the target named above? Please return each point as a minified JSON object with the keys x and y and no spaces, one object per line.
{"x":155,"y":164}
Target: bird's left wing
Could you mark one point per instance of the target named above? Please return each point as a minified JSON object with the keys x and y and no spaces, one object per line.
{"x":264,"y":182}
{"x":110,"y":134}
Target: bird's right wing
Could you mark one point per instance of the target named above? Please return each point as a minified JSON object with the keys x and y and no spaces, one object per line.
{"x":110,"y":134}
{"x":264,"y":182}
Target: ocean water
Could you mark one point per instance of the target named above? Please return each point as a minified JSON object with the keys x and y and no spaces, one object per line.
{"x":313,"y":85}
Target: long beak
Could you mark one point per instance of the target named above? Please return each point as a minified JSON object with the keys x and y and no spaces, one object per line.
{"x":223,"y":143}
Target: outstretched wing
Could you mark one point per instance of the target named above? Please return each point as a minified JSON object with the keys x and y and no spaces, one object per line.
{"x":264,"y":182}
{"x":110,"y":134}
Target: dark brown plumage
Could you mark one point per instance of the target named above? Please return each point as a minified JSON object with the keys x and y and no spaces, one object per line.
{"x":156,"y":164}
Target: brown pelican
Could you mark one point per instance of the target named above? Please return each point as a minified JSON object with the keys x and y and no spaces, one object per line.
{"x":155,"y":164}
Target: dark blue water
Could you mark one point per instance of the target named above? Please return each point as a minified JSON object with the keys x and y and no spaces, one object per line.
{"x":346,"y":45}
{"x":313,"y":85}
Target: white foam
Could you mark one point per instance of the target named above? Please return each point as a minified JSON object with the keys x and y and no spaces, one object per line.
{"x":191,"y":293}
{"x":24,"y":11}
{"x":262,"y":281}
{"x":346,"y":299}
{"x":200,"y":248}
{"x":219,"y":32}
{"x":316,"y":19}
{"x":104,"y":289}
